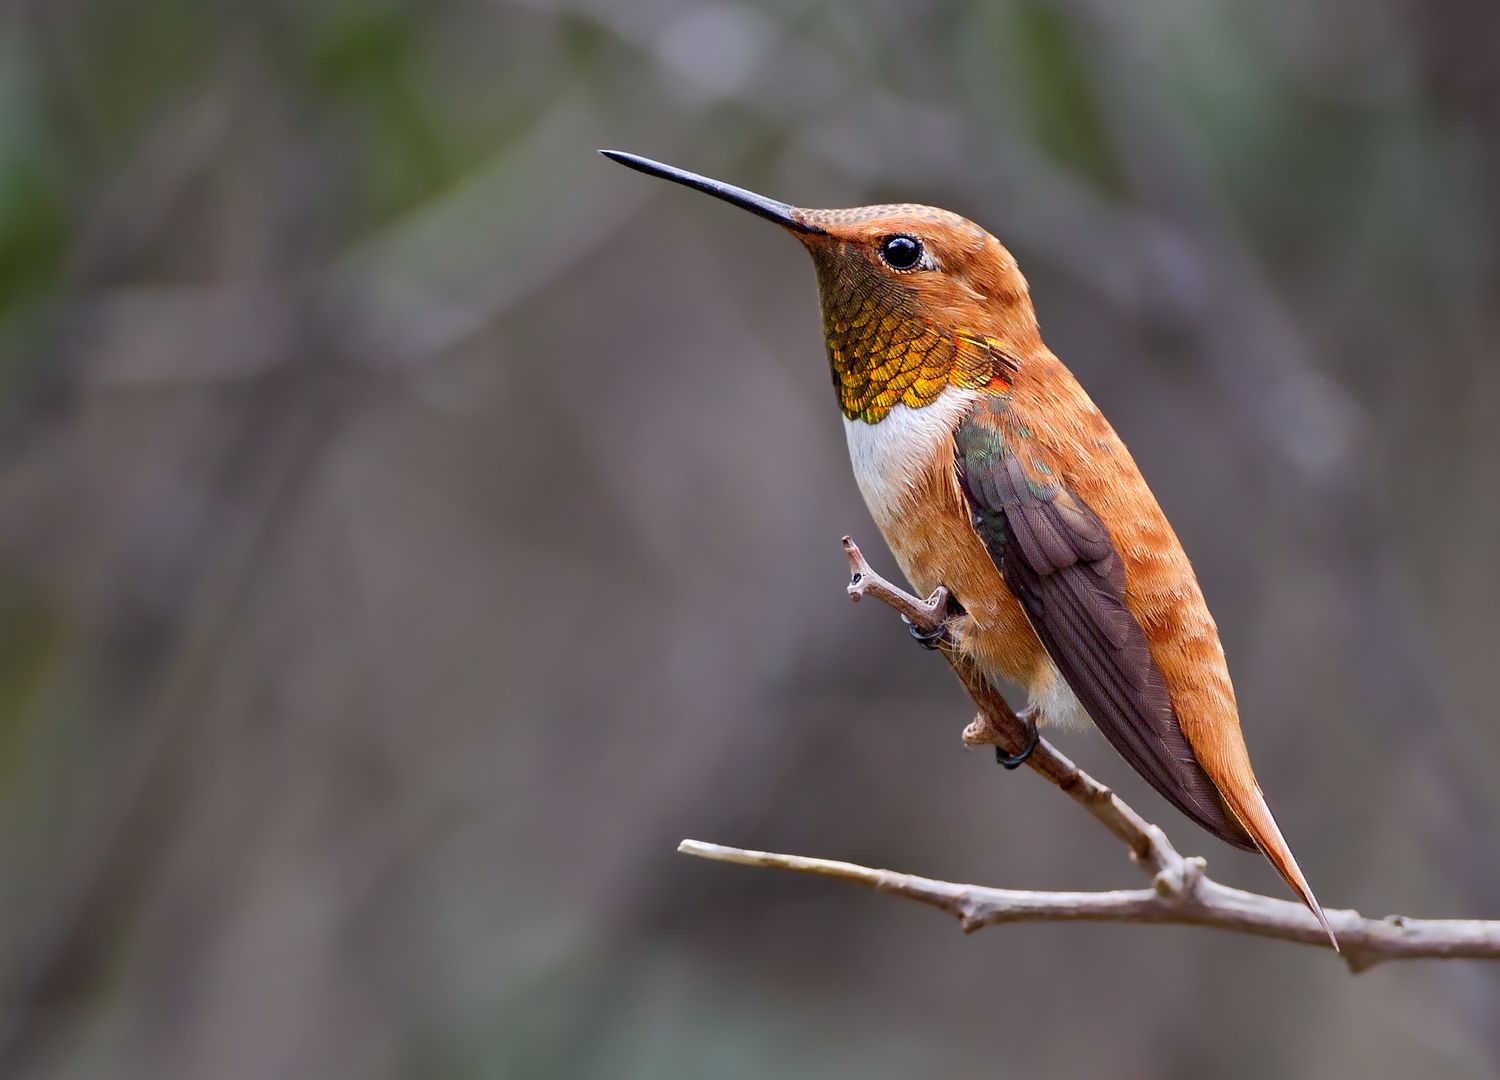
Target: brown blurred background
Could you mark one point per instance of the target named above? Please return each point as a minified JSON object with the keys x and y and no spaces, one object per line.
{"x":412,"y":525}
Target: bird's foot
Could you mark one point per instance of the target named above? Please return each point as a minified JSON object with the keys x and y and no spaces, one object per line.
{"x":943,"y":608}
{"x":934,"y":638}
{"x":1027,"y":716}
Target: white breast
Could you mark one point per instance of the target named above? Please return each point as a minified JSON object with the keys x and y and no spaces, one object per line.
{"x":890,"y":457}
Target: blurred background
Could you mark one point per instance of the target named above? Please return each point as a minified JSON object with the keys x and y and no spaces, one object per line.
{"x":412,"y":525}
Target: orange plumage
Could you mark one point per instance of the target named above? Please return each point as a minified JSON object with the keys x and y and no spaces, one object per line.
{"x":990,"y":471}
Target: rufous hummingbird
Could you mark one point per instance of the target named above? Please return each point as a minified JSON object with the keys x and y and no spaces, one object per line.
{"x":990,"y":471}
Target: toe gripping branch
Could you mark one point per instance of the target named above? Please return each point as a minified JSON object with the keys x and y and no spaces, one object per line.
{"x":936,"y":635}
{"x":928,"y":621}
{"x":934,"y":638}
{"x":1033,"y":736}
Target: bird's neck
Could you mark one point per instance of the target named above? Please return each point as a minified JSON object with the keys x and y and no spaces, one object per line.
{"x":885,"y":351}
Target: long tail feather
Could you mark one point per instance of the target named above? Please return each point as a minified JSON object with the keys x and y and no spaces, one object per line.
{"x":1255,"y":816}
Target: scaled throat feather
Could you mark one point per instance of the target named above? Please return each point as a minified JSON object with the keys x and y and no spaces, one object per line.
{"x":882,"y":353}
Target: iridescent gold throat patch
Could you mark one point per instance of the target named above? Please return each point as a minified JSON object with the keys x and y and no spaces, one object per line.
{"x":884,"y":353}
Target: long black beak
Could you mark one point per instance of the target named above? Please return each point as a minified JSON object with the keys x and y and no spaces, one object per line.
{"x":779,"y":212}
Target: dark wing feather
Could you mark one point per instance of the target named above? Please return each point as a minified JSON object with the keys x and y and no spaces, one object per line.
{"x":1056,"y":556}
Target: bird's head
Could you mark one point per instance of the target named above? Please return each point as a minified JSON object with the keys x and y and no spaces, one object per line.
{"x":915,"y":299}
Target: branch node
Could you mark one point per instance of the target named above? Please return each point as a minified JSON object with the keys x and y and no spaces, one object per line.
{"x":937,"y":603}
{"x":1095,"y":793}
{"x":1179,"y":880}
{"x":980,"y":732}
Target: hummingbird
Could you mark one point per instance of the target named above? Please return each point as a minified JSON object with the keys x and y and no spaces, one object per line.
{"x":989,"y":471}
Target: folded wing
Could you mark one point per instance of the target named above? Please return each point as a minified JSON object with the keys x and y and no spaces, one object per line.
{"x":1056,"y":556}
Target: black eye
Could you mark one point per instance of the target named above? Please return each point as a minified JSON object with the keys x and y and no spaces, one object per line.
{"x":901,"y":252}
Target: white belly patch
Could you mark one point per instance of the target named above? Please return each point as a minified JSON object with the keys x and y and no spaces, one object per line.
{"x":891,"y":457}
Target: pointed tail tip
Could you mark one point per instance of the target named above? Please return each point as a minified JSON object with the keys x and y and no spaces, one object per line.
{"x":1287,"y":866}
{"x":1261,"y":824}
{"x":1293,"y":875}
{"x":1317,"y":909}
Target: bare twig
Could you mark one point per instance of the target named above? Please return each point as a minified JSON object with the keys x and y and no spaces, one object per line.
{"x":1186,"y":897}
{"x":1181,"y":892}
{"x":998,"y":725}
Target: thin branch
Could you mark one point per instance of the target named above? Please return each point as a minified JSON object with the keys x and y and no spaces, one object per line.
{"x":1181,"y":892}
{"x":1187,"y":899}
{"x":998,"y":725}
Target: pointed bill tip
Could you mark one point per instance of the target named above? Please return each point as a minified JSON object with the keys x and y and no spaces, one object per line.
{"x":781,"y":213}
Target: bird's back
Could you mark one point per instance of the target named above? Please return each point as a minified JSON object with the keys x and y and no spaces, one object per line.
{"x":1161,"y":591}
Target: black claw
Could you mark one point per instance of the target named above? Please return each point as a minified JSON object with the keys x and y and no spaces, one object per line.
{"x":935,"y":638}
{"x":1014,"y":761}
